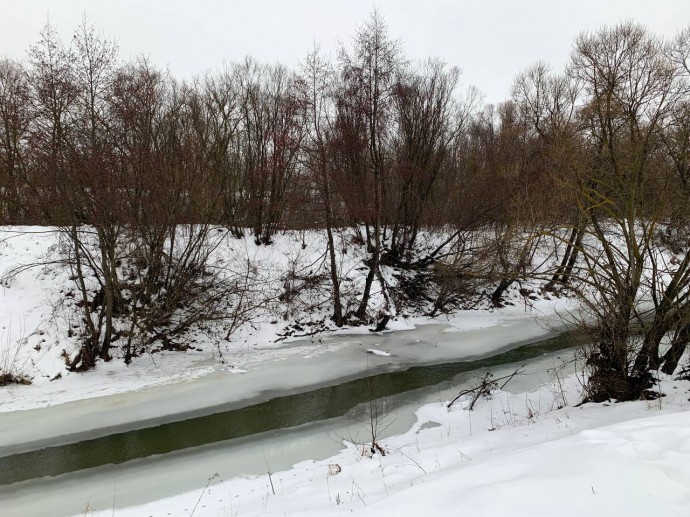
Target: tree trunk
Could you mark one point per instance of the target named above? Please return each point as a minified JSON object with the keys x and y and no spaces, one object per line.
{"x":337,"y":305}
{"x":375,"y":258}
{"x":673,"y":355}
{"x":90,"y":350}
{"x":568,"y":261}
{"x":108,"y":281}
{"x":500,"y":290}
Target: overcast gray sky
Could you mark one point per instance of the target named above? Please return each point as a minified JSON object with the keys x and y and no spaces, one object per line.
{"x":490,"y":40}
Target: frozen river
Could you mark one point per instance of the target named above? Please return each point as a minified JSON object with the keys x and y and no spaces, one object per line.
{"x":171,"y":439}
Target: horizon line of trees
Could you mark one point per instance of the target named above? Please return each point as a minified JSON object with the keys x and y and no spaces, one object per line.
{"x":596,"y":156}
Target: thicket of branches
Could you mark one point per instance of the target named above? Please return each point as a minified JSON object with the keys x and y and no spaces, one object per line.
{"x":138,"y":170}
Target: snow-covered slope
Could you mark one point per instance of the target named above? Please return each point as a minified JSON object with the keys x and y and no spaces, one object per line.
{"x":36,"y":316}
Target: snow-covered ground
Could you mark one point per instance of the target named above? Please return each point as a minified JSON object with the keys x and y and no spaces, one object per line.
{"x":515,"y":454}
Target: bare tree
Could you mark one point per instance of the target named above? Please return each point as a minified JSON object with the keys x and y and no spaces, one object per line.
{"x":15,"y":120}
{"x":317,"y":98}
{"x":54,"y":98}
{"x":223,"y":104}
{"x":548,"y":104}
{"x":272,"y":135}
{"x":428,"y":119}
{"x":91,"y":150}
{"x":369,"y":75}
{"x":631,"y":89}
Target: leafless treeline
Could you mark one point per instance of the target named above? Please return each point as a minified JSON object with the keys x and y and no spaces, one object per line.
{"x":86,"y":138}
{"x":596,"y":156}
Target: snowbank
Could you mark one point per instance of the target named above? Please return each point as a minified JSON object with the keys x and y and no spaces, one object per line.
{"x":516,"y":454}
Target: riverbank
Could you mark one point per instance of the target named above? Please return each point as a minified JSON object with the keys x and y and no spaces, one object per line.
{"x":40,"y":326}
{"x":517,"y":453}
{"x":60,"y":406}
{"x":429,"y":448}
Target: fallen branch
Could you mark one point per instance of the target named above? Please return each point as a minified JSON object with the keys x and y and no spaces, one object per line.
{"x":484,"y":386}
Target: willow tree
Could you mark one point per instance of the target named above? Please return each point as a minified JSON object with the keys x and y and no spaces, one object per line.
{"x":547,"y":103}
{"x":428,"y":118}
{"x":630,"y":89}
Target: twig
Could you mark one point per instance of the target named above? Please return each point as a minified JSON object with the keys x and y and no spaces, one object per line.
{"x":485,"y":383}
{"x":114,"y":490}
{"x":268,"y":469}
{"x":214,"y":476}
